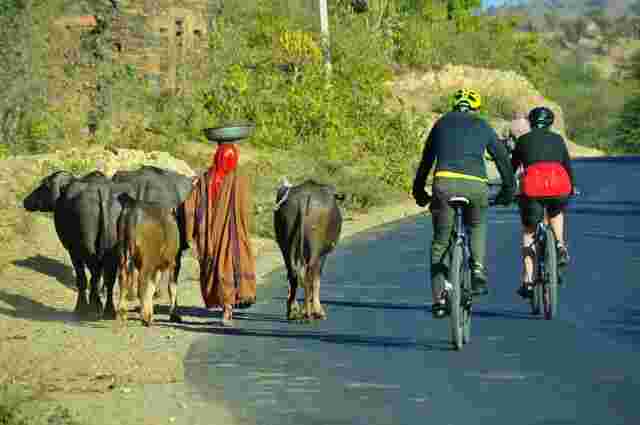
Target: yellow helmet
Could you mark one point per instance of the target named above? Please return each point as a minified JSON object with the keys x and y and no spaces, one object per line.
{"x":466,"y":98}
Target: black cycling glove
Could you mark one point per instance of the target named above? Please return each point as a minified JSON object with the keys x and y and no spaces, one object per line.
{"x":422,"y":197}
{"x":504,"y":198}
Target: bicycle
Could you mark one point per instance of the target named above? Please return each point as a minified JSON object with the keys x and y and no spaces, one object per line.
{"x":458,"y":292}
{"x":545,"y":271}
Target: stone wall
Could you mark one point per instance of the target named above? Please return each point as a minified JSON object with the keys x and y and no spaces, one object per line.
{"x":160,"y":39}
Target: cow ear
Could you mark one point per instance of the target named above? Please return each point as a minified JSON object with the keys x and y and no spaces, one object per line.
{"x":58,"y":182}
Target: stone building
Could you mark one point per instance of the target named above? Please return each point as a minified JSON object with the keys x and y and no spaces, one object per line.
{"x":158,"y":39}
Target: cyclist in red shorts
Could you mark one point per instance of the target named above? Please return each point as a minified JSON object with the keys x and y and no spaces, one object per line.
{"x":546,"y":184}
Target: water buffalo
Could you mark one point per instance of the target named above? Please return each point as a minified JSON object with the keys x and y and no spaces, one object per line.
{"x":85,"y":214}
{"x":307,"y":224}
{"x":149,"y":246}
{"x":77,"y":204}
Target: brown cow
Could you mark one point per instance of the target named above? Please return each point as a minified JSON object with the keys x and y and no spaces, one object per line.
{"x":149,"y":245}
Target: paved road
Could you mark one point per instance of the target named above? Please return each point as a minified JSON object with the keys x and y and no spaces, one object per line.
{"x":381,"y":359}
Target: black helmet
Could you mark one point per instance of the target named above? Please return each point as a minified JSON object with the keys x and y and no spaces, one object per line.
{"x":541,"y":117}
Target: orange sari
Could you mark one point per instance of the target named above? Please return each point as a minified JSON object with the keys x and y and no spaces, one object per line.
{"x":217,"y":225}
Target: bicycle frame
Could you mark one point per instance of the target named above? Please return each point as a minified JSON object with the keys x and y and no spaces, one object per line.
{"x":539,"y":241}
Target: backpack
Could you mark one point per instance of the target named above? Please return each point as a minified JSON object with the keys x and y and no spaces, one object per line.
{"x":545,"y":179}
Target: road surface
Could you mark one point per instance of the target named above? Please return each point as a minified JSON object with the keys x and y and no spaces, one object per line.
{"x":380,"y":358}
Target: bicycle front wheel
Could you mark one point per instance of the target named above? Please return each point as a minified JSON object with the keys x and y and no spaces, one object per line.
{"x":455,"y":279}
{"x":551,"y":277}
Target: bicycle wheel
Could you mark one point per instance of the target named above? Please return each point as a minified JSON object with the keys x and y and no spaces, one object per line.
{"x":466,"y":309}
{"x":536,"y":297}
{"x":550,"y":295}
{"x":455,"y":276}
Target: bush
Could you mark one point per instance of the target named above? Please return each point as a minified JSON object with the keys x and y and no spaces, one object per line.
{"x":495,"y":44}
{"x":588,"y":101}
{"x":627,"y":127}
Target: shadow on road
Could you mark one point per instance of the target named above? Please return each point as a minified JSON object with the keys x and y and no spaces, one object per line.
{"x":578,"y":210}
{"x":505,"y":314}
{"x":345,"y":339}
{"x":52,"y":267}
{"x":370,"y":304}
{"x":626,"y":323}
{"x":26,"y":308}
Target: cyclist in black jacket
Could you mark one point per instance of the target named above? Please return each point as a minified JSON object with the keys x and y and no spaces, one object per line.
{"x":541,"y":144}
{"x":457,"y":143}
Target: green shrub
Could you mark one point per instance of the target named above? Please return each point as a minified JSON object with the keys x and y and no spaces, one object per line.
{"x":627,"y":128}
{"x":588,"y":101}
{"x":494,"y":44}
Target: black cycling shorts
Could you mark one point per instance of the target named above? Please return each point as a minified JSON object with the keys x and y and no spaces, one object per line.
{"x":532,"y":210}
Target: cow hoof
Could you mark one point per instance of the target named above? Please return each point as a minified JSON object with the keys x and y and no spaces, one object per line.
{"x":293,"y":312}
{"x":83,"y":308}
{"x":175,"y":318}
{"x":147,"y":323}
{"x":294,"y":315}
{"x":110,"y":315}
{"x":319,"y":313}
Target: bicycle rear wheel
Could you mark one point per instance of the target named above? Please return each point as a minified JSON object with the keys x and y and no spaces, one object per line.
{"x":550,"y":295}
{"x":536,"y":297}
{"x":466,"y":304}
{"x":455,"y":279}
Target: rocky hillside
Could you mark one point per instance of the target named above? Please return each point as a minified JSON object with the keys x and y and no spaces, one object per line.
{"x":424,"y":90}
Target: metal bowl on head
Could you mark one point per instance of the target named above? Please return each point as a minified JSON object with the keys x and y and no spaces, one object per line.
{"x":230,"y":133}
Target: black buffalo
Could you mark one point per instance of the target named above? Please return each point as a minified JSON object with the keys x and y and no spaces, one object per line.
{"x":307,"y":224}
{"x":85,"y":215}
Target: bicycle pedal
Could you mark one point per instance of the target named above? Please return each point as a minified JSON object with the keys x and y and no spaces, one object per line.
{"x":466,"y":298}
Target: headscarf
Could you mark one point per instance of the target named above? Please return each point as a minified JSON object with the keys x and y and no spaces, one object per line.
{"x":225,"y":160}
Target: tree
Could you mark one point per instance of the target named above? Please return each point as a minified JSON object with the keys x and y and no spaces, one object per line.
{"x":434,"y":10}
{"x":460,"y":11}
{"x":461,"y":8}
{"x":627,"y":131}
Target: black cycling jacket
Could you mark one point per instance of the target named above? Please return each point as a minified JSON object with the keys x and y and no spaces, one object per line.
{"x":458,"y":141}
{"x":541,"y":144}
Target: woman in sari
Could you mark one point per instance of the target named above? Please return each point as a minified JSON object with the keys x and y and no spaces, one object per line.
{"x":217,"y":223}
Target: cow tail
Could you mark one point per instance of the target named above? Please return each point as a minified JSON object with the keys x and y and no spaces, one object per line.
{"x":302,"y":212}
{"x":103,"y":234}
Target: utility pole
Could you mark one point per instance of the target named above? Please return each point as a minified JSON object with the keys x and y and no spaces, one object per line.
{"x":324,"y":30}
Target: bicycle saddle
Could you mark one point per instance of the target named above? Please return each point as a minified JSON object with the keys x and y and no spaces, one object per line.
{"x":458,"y":202}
